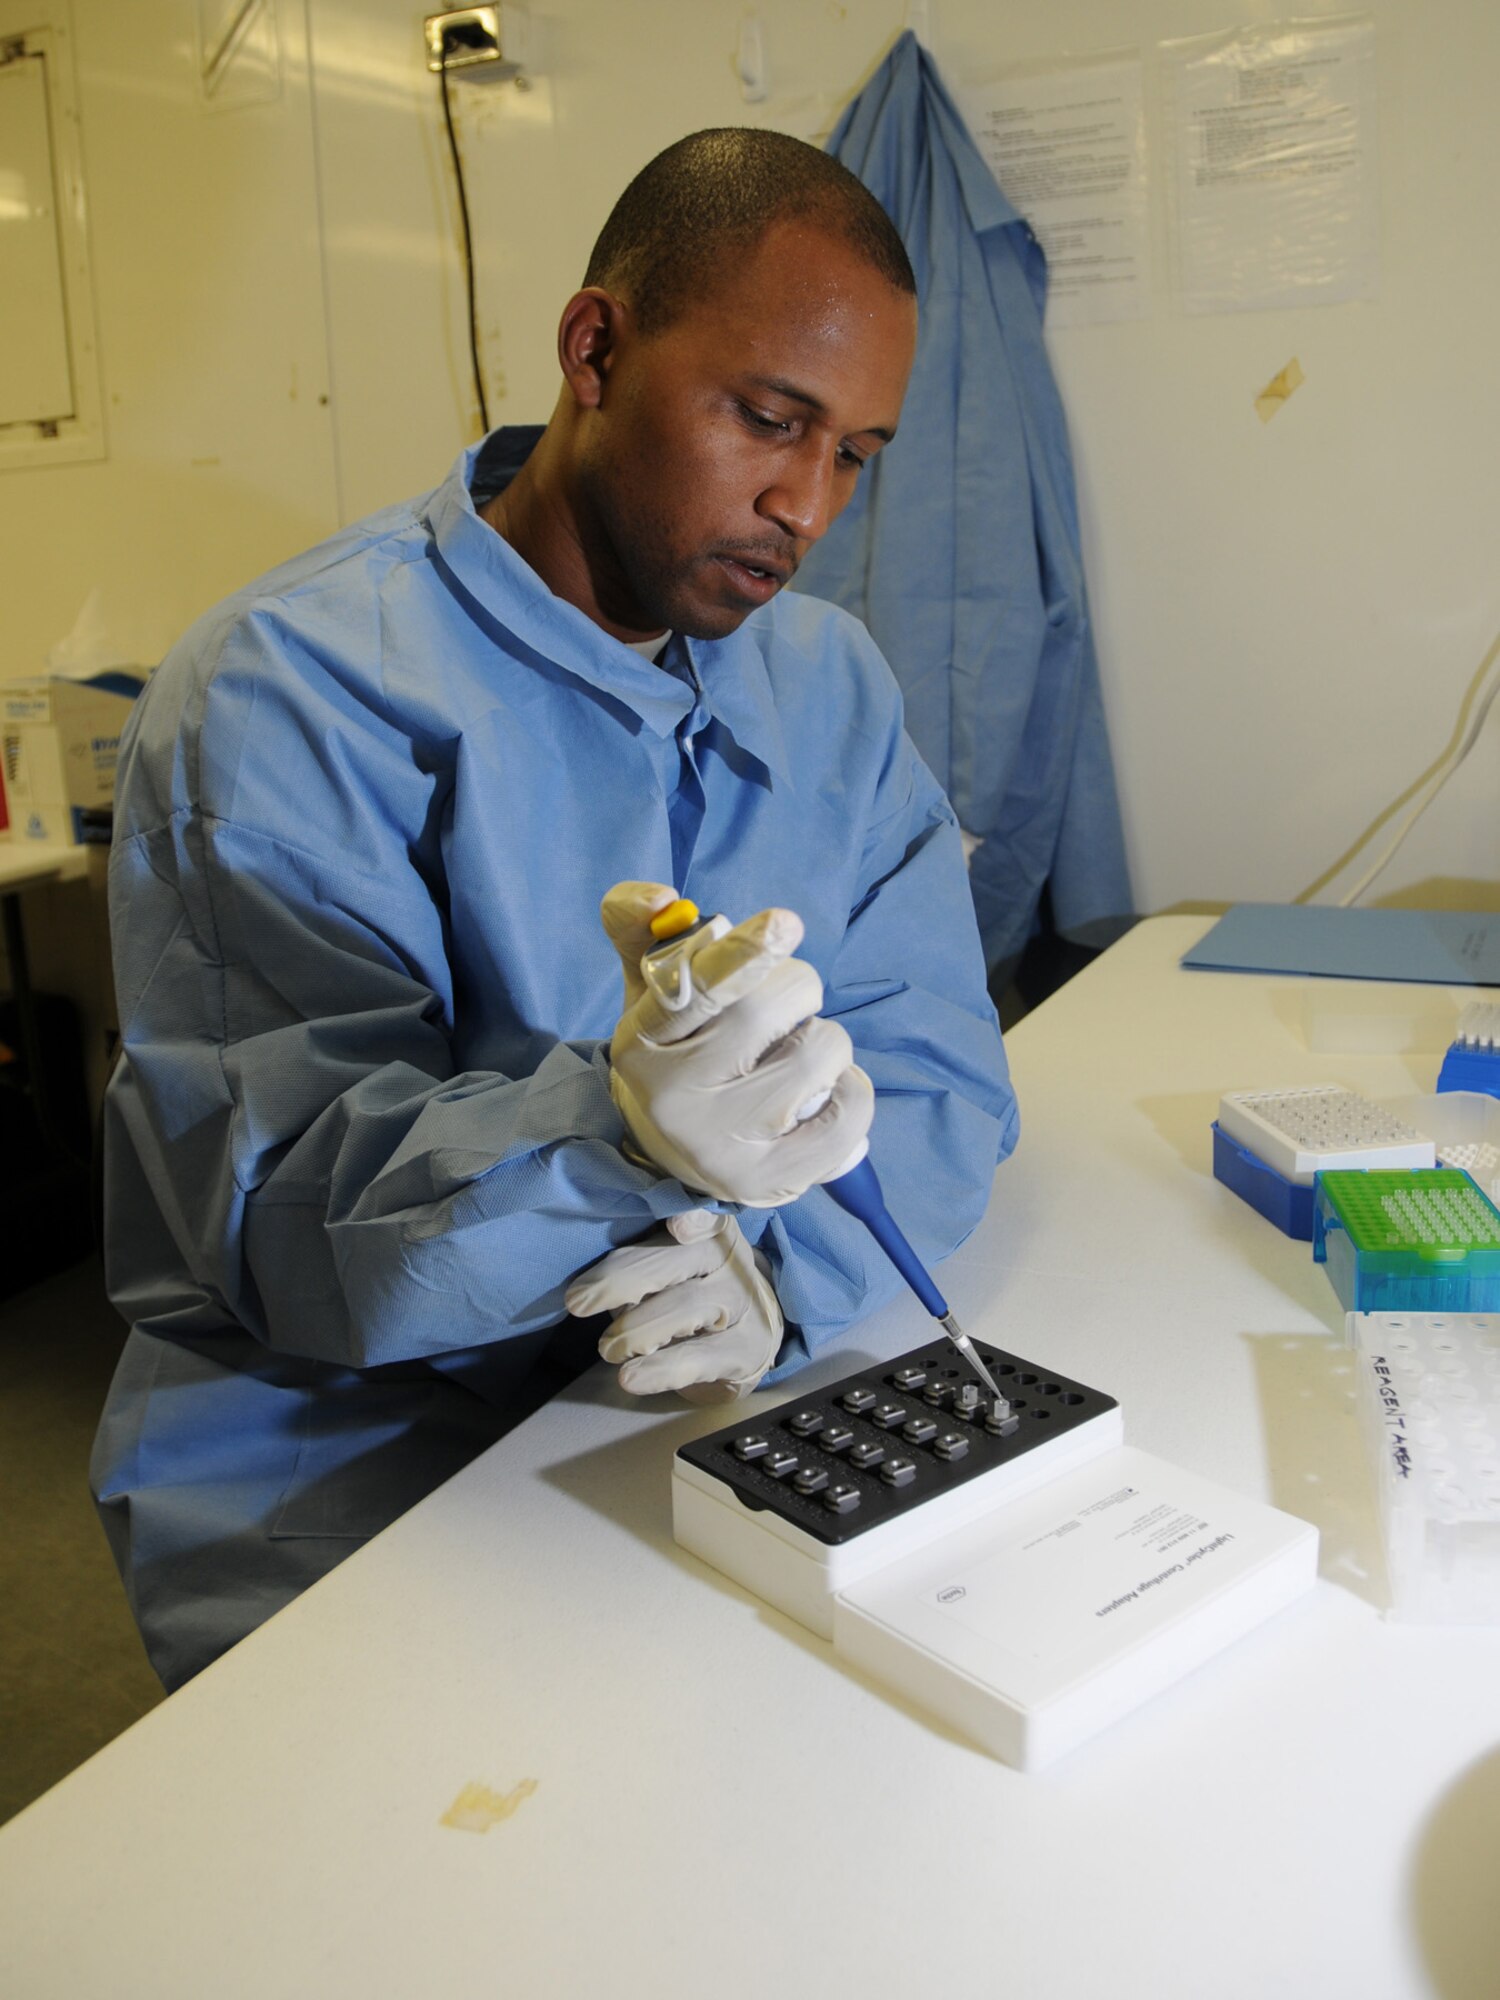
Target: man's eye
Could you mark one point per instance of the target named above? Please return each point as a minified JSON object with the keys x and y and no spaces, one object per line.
{"x":850,"y":460}
{"x":759,"y":420}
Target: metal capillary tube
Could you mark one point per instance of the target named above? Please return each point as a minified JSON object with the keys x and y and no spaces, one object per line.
{"x":970,"y":1354}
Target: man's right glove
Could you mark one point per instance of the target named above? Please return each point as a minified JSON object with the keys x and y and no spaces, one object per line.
{"x":712,"y":1095}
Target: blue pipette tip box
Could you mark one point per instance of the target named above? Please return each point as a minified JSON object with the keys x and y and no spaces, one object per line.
{"x":1408,"y":1240}
{"x":1466,"y":1068}
{"x":1473,"y":1058}
{"x":1269,"y":1193}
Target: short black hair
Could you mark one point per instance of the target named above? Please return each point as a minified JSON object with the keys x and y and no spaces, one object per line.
{"x":713,"y":195}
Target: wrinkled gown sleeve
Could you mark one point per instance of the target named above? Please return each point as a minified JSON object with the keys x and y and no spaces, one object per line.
{"x":310,"y":1157}
{"x":290,"y":1114}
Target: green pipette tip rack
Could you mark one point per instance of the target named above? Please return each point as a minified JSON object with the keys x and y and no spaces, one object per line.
{"x":1408,"y":1239}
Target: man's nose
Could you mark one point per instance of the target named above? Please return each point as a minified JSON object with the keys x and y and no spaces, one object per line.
{"x":801,"y":499}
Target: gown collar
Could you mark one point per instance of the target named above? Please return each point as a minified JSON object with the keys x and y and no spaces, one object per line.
{"x":501,"y":588}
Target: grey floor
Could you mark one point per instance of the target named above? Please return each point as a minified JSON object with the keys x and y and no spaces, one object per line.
{"x":72,"y":1671}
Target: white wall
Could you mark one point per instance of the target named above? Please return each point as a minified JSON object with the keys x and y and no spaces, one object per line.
{"x":1288,"y":614}
{"x":205,"y":255}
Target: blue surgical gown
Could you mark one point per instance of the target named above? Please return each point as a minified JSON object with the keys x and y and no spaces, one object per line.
{"x":961,"y":550}
{"x":361,"y":1133}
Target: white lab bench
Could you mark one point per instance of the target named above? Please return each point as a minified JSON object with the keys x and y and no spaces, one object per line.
{"x":720,"y":1807}
{"x":25,"y":863}
{"x":32,"y":864}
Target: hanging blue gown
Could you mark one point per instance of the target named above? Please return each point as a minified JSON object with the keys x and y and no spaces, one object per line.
{"x":960,"y":550}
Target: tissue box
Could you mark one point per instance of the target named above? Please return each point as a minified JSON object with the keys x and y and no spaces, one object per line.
{"x":60,"y":742}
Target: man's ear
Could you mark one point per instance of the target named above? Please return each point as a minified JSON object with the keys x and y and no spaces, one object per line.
{"x":588,"y":337}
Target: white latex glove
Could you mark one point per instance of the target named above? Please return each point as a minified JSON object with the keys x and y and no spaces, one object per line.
{"x":712,"y":1095}
{"x":694,"y":1310}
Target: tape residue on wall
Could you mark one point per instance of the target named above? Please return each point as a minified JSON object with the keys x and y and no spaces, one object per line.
{"x":1274,"y":396}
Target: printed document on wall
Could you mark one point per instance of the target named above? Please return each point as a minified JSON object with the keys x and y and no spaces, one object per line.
{"x":1068,"y":147}
{"x":1275,"y":192}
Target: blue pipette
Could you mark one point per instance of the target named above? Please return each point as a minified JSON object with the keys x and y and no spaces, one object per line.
{"x":858,"y":1191}
{"x":856,"y":1188}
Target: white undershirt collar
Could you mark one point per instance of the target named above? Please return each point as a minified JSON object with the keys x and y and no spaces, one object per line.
{"x":649,"y":649}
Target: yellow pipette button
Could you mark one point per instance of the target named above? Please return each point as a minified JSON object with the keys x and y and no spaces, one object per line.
{"x":674,"y":919}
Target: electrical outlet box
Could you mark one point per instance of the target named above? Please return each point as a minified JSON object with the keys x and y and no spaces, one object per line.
{"x":479,"y":43}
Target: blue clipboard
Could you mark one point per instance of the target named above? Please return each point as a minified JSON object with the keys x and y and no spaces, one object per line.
{"x":1432,"y":947}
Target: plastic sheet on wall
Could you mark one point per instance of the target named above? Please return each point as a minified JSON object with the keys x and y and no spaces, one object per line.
{"x":239,"y":52}
{"x":1274,"y":184}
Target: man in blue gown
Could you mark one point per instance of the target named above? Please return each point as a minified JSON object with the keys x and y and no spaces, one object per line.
{"x":390,"y":1095}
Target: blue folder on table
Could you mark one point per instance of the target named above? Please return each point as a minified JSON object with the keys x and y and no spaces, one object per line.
{"x":1435,"y":947}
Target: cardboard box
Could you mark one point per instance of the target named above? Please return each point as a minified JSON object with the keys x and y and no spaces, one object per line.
{"x":59,"y":745}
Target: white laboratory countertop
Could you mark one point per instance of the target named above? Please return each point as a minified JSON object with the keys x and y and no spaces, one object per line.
{"x":720,"y":1806}
{"x":24,"y":863}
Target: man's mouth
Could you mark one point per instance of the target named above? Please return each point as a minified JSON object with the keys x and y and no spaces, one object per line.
{"x":756,"y":576}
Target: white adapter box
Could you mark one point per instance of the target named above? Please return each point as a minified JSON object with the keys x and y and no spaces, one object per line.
{"x":800,"y":1575}
{"x":1038,"y":1603}
{"x":1033,"y":1630}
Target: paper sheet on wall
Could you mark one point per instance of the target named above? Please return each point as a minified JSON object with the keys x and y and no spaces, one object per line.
{"x":1275,"y":197}
{"x":1068,"y":146}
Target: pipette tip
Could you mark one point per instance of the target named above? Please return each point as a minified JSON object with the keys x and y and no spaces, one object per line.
{"x":970,"y":1354}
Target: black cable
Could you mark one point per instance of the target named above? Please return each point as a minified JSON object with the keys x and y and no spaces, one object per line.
{"x":463,"y":212}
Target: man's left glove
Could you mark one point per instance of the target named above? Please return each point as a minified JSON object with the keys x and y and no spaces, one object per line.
{"x":694,"y":1310}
